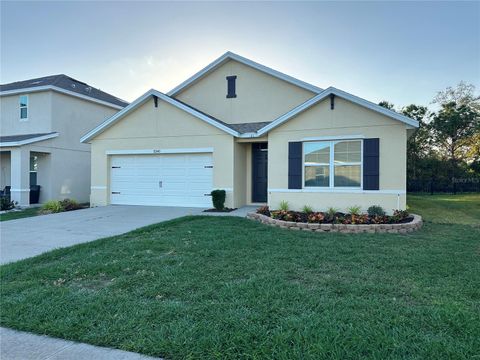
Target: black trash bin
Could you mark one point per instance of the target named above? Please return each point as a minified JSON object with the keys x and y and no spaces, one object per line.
{"x":34,"y":194}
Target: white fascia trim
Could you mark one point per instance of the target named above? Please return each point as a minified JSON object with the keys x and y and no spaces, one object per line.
{"x":60,"y":90}
{"x":20,"y":190}
{"x":327,"y":92}
{"x":337,"y":190}
{"x":28,"y":141}
{"x":247,"y":135}
{"x":98,"y":187}
{"x":333,"y":137}
{"x":142,"y":99}
{"x":108,"y":122}
{"x":195,"y":113}
{"x":159,"y":151}
{"x":231,"y":56}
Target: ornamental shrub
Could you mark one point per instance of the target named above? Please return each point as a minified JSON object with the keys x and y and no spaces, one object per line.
{"x":284,"y":205}
{"x":307,"y":209}
{"x":52,"y":206}
{"x":69,"y":205}
{"x":376,"y":210}
{"x":6,"y":203}
{"x":218,"y":199}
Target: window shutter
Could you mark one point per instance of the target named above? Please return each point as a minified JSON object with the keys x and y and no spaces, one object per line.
{"x":371,"y":164}
{"x":295,"y":165}
{"x":231,"y":88}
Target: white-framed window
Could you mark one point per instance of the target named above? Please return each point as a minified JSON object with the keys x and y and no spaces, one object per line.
{"x":332,"y":164}
{"x":23,"y":102}
{"x":33,"y":169}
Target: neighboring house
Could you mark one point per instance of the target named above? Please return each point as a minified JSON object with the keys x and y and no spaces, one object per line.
{"x":261,"y":135}
{"x":42,"y":121}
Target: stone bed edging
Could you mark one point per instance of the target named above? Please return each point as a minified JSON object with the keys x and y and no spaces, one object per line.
{"x":413,"y":225}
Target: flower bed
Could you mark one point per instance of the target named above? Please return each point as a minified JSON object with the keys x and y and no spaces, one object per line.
{"x":399,"y":222}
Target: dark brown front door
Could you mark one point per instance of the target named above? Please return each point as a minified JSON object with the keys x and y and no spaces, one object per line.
{"x":259,"y":172}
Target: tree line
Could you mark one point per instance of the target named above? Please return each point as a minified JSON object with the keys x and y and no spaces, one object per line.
{"x":443,"y":154}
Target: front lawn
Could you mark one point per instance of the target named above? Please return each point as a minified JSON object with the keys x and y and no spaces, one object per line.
{"x":447,"y":209}
{"x":12,"y":215}
{"x":224,"y":287}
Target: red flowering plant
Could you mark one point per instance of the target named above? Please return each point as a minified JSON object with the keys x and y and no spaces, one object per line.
{"x":316,"y":217}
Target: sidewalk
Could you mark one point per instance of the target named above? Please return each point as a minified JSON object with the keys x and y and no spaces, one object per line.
{"x":17,"y":345}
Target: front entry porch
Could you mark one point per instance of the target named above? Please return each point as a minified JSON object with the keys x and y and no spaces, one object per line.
{"x":21,"y":174}
{"x":250,"y":172}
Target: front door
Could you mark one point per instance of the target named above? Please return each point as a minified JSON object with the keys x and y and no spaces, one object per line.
{"x":259,"y":172}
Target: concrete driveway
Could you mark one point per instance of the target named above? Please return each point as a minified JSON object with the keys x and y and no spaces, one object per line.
{"x":32,"y":236}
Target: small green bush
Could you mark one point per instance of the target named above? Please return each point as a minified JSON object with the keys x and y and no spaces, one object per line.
{"x":52,"y":206}
{"x":354,"y":210}
{"x":218,"y":199}
{"x":307,"y":209}
{"x":331,"y":211}
{"x":69,"y":205}
{"x":284,"y":205}
{"x":6,"y":203}
{"x":376,"y":210}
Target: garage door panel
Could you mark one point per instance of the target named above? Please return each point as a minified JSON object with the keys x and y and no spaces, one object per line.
{"x":162,"y":180}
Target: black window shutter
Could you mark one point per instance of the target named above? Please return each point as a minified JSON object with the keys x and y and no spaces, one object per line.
{"x":231,"y":91}
{"x":295,"y":165}
{"x":371,"y":164}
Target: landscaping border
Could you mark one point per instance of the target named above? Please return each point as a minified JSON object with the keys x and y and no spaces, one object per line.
{"x":403,"y":228}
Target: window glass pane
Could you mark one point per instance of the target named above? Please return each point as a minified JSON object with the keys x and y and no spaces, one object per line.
{"x":317,"y":153}
{"x":347,"y":175}
{"x":33,"y":163}
{"x":23,"y":101}
{"x":317,"y":175}
{"x":23,"y":113}
{"x":347,"y":151}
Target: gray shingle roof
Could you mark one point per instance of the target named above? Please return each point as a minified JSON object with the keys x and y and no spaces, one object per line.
{"x":248,"y":127}
{"x":15,"y":138}
{"x":67,"y":83}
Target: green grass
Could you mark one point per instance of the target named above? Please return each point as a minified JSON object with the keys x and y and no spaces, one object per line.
{"x":12,"y":215}
{"x":447,"y":209}
{"x":229,"y":288}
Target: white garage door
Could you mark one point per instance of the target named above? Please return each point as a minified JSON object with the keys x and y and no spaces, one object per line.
{"x":162,"y":180}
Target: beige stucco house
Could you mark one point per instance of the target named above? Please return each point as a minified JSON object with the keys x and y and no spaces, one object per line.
{"x":259,"y":134}
{"x":41,"y":122}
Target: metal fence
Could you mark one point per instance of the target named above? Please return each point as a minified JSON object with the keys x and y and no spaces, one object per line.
{"x":432,"y":186}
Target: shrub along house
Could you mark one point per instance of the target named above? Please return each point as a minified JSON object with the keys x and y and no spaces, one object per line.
{"x":259,"y":134}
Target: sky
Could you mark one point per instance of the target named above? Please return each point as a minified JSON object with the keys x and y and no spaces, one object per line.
{"x":402,"y":52}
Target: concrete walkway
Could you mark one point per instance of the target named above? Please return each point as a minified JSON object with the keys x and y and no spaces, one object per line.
{"x":17,"y":345}
{"x":23,"y":238}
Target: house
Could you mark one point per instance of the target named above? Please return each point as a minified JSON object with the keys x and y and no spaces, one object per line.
{"x":42,"y":121}
{"x":260,"y":135}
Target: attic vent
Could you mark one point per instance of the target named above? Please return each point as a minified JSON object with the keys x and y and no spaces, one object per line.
{"x":231,"y":92}
{"x":73,"y":86}
{"x":88,"y":89}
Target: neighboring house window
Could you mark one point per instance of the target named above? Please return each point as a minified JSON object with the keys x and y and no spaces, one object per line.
{"x":231,"y":85}
{"x":23,"y":107}
{"x":33,"y":170}
{"x":333,"y":164}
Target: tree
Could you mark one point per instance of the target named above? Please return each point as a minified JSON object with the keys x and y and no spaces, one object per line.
{"x":386,"y":105}
{"x":462,"y":94}
{"x":418,"y":143}
{"x":453,"y":127}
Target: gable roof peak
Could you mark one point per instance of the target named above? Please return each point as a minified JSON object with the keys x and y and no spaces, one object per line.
{"x":243,"y":60}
